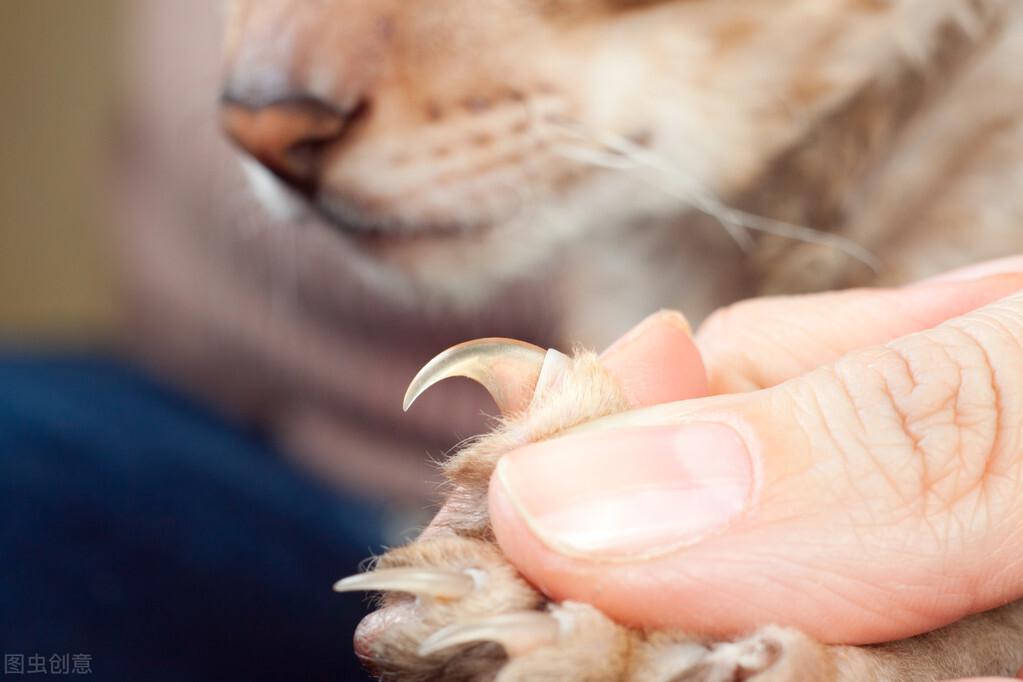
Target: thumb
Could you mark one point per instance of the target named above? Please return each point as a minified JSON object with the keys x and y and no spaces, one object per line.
{"x":872,"y":499}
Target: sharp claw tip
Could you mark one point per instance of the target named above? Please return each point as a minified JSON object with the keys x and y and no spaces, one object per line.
{"x":342,"y":585}
{"x":478,"y":360}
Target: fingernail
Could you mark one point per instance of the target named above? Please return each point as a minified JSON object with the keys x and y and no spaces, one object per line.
{"x":658,"y":361}
{"x":672,"y":317}
{"x":630,"y":494}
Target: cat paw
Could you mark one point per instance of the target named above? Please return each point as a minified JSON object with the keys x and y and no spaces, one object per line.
{"x":454,"y":608}
{"x":431,"y":587}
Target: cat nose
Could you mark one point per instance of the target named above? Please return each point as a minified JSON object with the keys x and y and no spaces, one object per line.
{"x":291,"y":137}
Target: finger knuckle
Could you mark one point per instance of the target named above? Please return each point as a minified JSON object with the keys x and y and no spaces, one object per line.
{"x":935,"y":421}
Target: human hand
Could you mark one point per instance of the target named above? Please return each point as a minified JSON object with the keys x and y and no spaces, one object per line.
{"x":857,"y":471}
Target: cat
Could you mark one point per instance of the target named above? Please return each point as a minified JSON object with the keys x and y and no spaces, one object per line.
{"x":654,"y":153}
{"x":638,"y":154}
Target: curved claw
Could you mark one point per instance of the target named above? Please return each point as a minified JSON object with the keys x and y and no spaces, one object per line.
{"x":518,"y":633}
{"x":433,"y":584}
{"x":507,"y":368}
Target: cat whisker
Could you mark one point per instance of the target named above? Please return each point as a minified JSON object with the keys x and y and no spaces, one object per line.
{"x":596,"y":157}
{"x":422,"y":582}
{"x":615,"y":151}
{"x":508,"y":369}
{"x":518,"y":633}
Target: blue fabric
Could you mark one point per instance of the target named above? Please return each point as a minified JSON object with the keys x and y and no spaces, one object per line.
{"x":139,"y":528}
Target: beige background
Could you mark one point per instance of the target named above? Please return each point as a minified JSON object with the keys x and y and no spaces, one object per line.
{"x":57,"y":75}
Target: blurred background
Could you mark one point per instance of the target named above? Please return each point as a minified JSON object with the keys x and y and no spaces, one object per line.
{"x":173,"y":393}
{"x":58,"y":62}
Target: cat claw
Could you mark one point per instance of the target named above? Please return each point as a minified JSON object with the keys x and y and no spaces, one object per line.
{"x":508,"y":369}
{"x":748,"y":658}
{"x":758,"y":657}
{"x":518,"y":633}
{"x":428,"y":583}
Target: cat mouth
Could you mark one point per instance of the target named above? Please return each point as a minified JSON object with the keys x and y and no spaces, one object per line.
{"x":377,"y":232}
{"x":363,"y":221}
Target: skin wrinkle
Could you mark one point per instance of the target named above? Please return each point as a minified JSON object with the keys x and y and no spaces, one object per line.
{"x":909,"y":420}
{"x":989,"y":435}
{"x":802,"y":413}
{"x":976,"y":487}
{"x":890,"y":391}
{"x":1000,"y":415}
{"x":852,"y":375}
{"x":928,"y":477}
{"x":855,"y":474}
{"x":894,"y":479}
{"x":955,"y":463}
{"x":843,"y":385}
